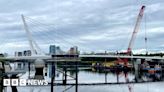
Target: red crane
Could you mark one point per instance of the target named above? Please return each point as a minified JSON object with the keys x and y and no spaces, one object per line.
{"x":129,"y":50}
{"x":136,"y":29}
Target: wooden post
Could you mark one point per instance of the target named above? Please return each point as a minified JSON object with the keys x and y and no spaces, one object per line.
{"x":65,"y":75}
{"x":117,"y":73}
{"x":14,"y":88}
{"x":105,"y":72}
{"x":53,"y":76}
{"x":76,"y":87}
{"x":1,"y":80}
{"x":29,"y":69}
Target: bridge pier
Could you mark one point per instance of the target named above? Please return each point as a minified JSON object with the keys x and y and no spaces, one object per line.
{"x":137,"y":62}
{"x":39,"y":66}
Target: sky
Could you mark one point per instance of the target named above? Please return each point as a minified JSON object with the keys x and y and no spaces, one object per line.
{"x":92,"y":25}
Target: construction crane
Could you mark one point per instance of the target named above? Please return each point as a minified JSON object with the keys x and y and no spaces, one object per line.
{"x":129,"y":50}
{"x":136,"y":29}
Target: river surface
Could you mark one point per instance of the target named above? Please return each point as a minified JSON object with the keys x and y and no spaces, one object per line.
{"x":146,"y":87}
{"x":92,"y":76}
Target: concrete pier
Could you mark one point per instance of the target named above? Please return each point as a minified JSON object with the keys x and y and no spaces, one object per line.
{"x":39,"y":65}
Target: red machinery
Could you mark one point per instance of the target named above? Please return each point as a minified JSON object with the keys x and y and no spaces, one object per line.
{"x":136,"y":29}
{"x":129,"y":50}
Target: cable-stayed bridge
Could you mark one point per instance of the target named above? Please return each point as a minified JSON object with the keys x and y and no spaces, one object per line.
{"x":46,"y":57}
{"x":38,"y":53}
{"x":39,"y":58}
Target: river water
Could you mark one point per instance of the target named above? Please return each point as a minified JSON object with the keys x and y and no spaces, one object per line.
{"x":146,"y":87}
{"x":92,"y":76}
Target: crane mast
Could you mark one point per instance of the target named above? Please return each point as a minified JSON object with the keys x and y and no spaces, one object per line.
{"x":136,"y":28}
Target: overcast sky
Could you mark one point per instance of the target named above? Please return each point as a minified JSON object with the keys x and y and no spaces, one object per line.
{"x":92,"y":25}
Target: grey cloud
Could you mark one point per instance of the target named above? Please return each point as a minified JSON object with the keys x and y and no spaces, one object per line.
{"x":93,"y":24}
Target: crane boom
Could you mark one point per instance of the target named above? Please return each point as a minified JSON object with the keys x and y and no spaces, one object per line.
{"x":136,"y":28}
{"x":129,"y":50}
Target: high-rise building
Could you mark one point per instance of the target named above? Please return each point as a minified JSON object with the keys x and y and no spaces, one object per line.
{"x":23,"y":53}
{"x":58,"y":50}
{"x":27,"y":53}
{"x":76,"y":49}
{"x":20,"y":54}
{"x":55,"y":50}
{"x":52,"y":49}
{"x":73,"y":50}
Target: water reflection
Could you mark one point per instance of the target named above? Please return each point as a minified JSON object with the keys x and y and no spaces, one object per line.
{"x":92,"y":75}
{"x":146,"y":87}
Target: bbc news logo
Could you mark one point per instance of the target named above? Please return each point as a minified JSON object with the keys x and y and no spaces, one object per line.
{"x":24,"y":82}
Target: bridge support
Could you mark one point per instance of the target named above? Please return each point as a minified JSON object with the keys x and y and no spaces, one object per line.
{"x":39,"y":65}
{"x":137,"y":63}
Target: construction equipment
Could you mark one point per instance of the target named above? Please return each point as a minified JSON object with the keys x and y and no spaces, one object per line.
{"x":129,"y":50}
{"x":136,"y":29}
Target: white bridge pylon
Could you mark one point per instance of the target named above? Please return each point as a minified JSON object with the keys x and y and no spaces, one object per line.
{"x":35,"y":49}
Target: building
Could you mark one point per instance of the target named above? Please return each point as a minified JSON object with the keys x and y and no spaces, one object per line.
{"x":19,"y":54}
{"x":73,"y":50}
{"x":55,"y":50}
{"x":27,"y":53}
{"x":23,"y":53}
{"x":58,"y":51}
{"x":52,"y":49}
